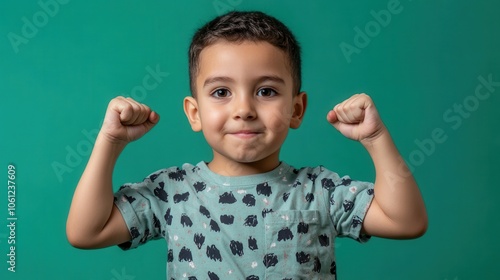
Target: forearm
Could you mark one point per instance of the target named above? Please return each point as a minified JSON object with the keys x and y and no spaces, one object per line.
{"x":93,"y":198}
{"x":396,"y":190}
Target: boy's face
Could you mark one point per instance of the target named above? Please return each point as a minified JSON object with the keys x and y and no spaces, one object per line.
{"x":244,"y":105}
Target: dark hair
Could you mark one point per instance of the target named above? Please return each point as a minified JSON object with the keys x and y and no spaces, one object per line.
{"x":245,"y":26}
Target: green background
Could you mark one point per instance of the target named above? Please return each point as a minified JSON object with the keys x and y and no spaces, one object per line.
{"x":55,"y":86}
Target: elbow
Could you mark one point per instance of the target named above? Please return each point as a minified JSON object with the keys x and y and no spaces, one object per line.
{"x":74,"y":240}
{"x":423,"y":224}
{"x":423,"y":227}
{"x":419,"y":231}
{"x":418,"y":228}
{"x":77,"y":239}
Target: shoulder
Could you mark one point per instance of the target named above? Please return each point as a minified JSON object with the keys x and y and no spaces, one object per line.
{"x":315,"y":174}
{"x":160,"y":176}
{"x":328,"y":180}
{"x":175,"y":173}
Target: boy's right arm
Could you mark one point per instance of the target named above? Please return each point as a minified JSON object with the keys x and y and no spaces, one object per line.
{"x":93,"y":220}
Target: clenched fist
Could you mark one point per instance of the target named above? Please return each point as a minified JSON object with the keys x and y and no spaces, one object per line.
{"x":127,"y":120}
{"x":356,"y":118}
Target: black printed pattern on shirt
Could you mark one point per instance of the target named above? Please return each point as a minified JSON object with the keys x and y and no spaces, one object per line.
{"x":210,"y":226}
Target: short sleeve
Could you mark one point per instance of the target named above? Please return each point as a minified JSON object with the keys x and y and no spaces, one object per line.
{"x":349,"y":202}
{"x":139,"y":208}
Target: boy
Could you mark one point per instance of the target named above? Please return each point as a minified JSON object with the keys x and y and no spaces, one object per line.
{"x":245,"y":214}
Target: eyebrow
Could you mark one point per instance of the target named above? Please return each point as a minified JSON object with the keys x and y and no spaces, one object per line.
{"x":225,"y":79}
{"x":213,"y":80}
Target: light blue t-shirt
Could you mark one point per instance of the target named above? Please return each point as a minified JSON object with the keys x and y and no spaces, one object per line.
{"x":277,"y":225}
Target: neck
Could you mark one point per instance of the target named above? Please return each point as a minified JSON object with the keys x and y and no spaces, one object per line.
{"x":233,"y":169}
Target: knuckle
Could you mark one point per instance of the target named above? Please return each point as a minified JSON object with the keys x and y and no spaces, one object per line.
{"x":135,"y":107}
{"x":114,"y":101}
{"x":145,"y":108}
{"x":127,"y":106}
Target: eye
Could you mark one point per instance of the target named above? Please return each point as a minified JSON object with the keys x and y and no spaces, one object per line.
{"x":221,"y":93}
{"x":266,"y":92}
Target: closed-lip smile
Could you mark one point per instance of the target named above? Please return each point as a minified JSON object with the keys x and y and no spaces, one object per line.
{"x":245,"y":133}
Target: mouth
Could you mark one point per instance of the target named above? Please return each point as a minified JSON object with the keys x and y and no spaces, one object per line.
{"x":245,"y":133}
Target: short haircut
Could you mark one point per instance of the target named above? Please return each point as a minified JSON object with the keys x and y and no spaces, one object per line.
{"x":238,"y":27}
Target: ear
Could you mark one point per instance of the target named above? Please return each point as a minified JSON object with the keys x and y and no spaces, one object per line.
{"x":299,"y":109}
{"x":192,"y":113}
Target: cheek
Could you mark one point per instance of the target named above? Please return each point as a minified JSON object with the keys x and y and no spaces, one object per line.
{"x":280,"y":119}
{"x":212,"y":118}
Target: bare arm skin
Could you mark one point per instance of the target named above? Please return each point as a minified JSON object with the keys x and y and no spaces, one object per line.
{"x":93,"y":219}
{"x":397,"y":210}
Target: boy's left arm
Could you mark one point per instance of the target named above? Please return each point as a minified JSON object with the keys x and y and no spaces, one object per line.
{"x":397,"y":209}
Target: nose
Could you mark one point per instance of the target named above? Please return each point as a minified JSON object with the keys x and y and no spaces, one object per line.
{"x":244,"y":107}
